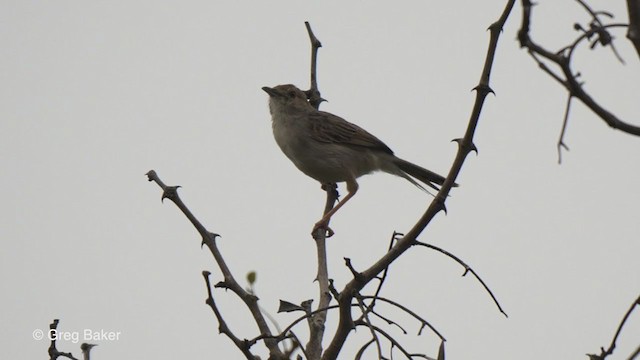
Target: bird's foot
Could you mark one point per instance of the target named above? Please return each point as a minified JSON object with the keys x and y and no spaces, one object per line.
{"x":321,"y":228}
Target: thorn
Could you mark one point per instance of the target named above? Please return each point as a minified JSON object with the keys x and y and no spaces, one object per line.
{"x":474,"y":148}
{"x":221,"y":284}
{"x":212,"y":237}
{"x":482,"y":88}
{"x":170,"y":192}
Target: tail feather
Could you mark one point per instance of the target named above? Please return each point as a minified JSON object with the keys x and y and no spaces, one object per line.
{"x":428,"y":177}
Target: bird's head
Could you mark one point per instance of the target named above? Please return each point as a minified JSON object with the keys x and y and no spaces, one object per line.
{"x":286,"y":98}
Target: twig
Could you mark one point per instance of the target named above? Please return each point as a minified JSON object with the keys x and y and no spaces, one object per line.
{"x":604,"y":353}
{"x":604,"y":38}
{"x":394,"y":342}
{"x":313,"y":94}
{"x":363,"y":349}
{"x":386,"y":319}
{"x":561,"y":144}
{"x":367,"y":322}
{"x":422,"y":321}
{"x":223,"y":328}
{"x":293,"y":348}
{"x":383,"y":276}
{"x":467,"y":269}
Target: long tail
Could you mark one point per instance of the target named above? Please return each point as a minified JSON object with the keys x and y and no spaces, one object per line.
{"x":428,"y":177}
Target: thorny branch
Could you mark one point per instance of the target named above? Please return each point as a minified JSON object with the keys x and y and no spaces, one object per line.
{"x":242,"y":345}
{"x":317,"y":321}
{"x":229,"y":282}
{"x":365,"y":311}
{"x":465,"y":146}
{"x":597,"y":32}
{"x":351,"y":290}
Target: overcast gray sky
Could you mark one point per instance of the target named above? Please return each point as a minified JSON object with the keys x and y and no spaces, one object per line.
{"x":96,"y":93}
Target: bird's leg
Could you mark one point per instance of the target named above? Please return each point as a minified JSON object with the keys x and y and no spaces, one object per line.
{"x":352,"y":188}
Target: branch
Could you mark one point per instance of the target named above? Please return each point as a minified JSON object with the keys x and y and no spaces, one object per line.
{"x":345,"y":324}
{"x":633,"y":33}
{"x":317,"y":322}
{"x":297,"y":344}
{"x":604,"y":353}
{"x":413,"y":314}
{"x":561,"y":145}
{"x":363,"y":349}
{"x":313,"y":94}
{"x":367,"y":322}
{"x":383,"y":277}
{"x":564,"y":57}
{"x":284,"y":333}
{"x":53,"y":351}
{"x":242,"y":345}
{"x":209,"y":239}
{"x":467,"y":269}
{"x":394,"y":342}
{"x":603,"y":37}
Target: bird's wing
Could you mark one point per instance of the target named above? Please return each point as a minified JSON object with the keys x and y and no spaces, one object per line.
{"x":329,"y":128}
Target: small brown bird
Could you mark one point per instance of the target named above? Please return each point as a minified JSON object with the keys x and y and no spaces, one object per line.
{"x":330,"y":149}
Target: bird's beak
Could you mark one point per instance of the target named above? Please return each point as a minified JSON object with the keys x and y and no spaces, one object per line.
{"x":271,"y":91}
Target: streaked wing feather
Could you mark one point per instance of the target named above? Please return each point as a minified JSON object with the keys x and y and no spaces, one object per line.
{"x":329,"y":128}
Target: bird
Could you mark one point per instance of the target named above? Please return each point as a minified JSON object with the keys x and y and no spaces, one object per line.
{"x":331,"y":150}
